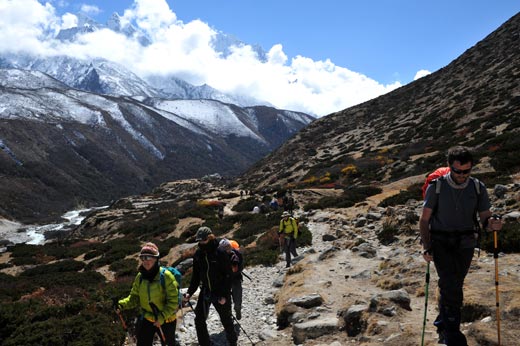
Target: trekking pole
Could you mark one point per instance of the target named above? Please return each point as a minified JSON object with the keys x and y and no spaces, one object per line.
{"x":156,"y":314}
{"x":191,"y":306}
{"x":495,"y":255}
{"x":247,"y":276}
{"x":242,"y":329}
{"x":123,"y":323}
{"x":425,"y":300}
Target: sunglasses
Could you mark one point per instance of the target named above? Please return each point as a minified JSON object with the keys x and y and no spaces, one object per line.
{"x":147,"y":258}
{"x":460,"y":171}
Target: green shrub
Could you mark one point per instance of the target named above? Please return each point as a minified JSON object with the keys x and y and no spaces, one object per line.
{"x":114,"y":250}
{"x":254,"y":224}
{"x":93,"y":254}
{"x":388,"y":234}
{"x":305,"y":236}
{"x":246,"y":205}
{"x":58,"y":267}
{"x":13,"y":287}
{"x":23,"y":261}
{"x":88,"y":279}
{"x":258,"y":256}
{"x":75,"y":323}
{"x":124,"y":267}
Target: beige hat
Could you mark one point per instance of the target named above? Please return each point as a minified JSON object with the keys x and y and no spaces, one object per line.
{"x":285,"y":214}
{"x":150,"y":249}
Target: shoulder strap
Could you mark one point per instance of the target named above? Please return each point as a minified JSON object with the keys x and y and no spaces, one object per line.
{"x":161,"y":277}
{"x":477,"y":184}
{"x":438,"y":184}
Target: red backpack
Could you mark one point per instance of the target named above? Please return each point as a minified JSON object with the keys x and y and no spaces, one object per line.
{"x":439,"y":172}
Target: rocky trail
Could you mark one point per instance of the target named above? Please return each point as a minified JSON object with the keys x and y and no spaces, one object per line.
{"x":349,"y":289}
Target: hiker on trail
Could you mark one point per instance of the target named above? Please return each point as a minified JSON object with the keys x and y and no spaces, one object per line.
{"x":274,"y":204}
{"x":212,"y":270}
{"x":220,"y":212}
{"x":447,"y":225}
{"x":148,"y":294}
{"x":289,"y":231}
{"x":288,"y":202}
{"x":237,"y":265}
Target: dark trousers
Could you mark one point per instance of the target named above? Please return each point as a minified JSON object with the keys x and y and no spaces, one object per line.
{"x":290,"y":248}
{"x":224,"y":311}
{"x":452,"y":264}
{"x":146,"y":331}
{"x":236,"y":293}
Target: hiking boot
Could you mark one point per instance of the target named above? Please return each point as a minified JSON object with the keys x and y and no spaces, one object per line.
{"x":239,"y":315}
{"x":442,"y":337}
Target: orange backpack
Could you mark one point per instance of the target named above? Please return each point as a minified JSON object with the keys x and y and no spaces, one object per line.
{"x":439,"y":172}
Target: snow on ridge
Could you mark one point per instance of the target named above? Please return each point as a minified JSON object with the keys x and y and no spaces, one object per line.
{"x":72,"y":105}
{"x":114,"y":110}
{"x":211,"y":115}
{"x":46,"y":104}
{"x":179,"y":120}
{"x":304,"y":118}
{"x":26,"y":79}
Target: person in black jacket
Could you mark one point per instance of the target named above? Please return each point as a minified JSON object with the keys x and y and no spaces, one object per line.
{"x":212,"y":270}
{"x":237,"y":265}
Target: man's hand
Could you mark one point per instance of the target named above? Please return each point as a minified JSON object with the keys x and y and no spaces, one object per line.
{"x":495,"y":223}
{"x":222,"y":300}
{"x":428,"y":257}
{"x":186,"y":297}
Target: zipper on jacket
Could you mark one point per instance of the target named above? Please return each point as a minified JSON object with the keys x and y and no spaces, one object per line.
{"x":207,"y":273}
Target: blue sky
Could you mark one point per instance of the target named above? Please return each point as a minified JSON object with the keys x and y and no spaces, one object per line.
{"x":337,"y":52}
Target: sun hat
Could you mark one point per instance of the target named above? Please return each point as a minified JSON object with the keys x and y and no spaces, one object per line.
{"x":285,"y":214}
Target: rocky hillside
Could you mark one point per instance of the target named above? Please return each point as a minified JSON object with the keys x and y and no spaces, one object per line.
{"x":63,"y":148}
{"x":474,"y":101}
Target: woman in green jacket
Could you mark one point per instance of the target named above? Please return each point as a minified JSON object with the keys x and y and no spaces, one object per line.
{"x":150,"y":292}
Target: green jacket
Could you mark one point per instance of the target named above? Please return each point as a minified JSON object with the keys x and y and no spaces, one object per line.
{"x":289,"y":228}
{"x":144,"y":291}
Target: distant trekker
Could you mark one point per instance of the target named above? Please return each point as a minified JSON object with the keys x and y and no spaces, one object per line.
{"x":289,"y":231}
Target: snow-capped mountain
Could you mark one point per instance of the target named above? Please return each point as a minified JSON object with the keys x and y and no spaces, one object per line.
{"x":109,"y":78}
{"x":87,"y":24}
{"x":97,"y":75}
{"x":63,"y":146}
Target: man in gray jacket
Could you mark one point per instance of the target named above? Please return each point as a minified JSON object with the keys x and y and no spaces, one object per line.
{"x":448,"y":227}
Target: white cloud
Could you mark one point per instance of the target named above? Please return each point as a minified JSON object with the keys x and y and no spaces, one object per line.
{"x":69,"y":20}
{"x":90,"y":9}
{"x":420,"y":74}
{"x":184,"y":49}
